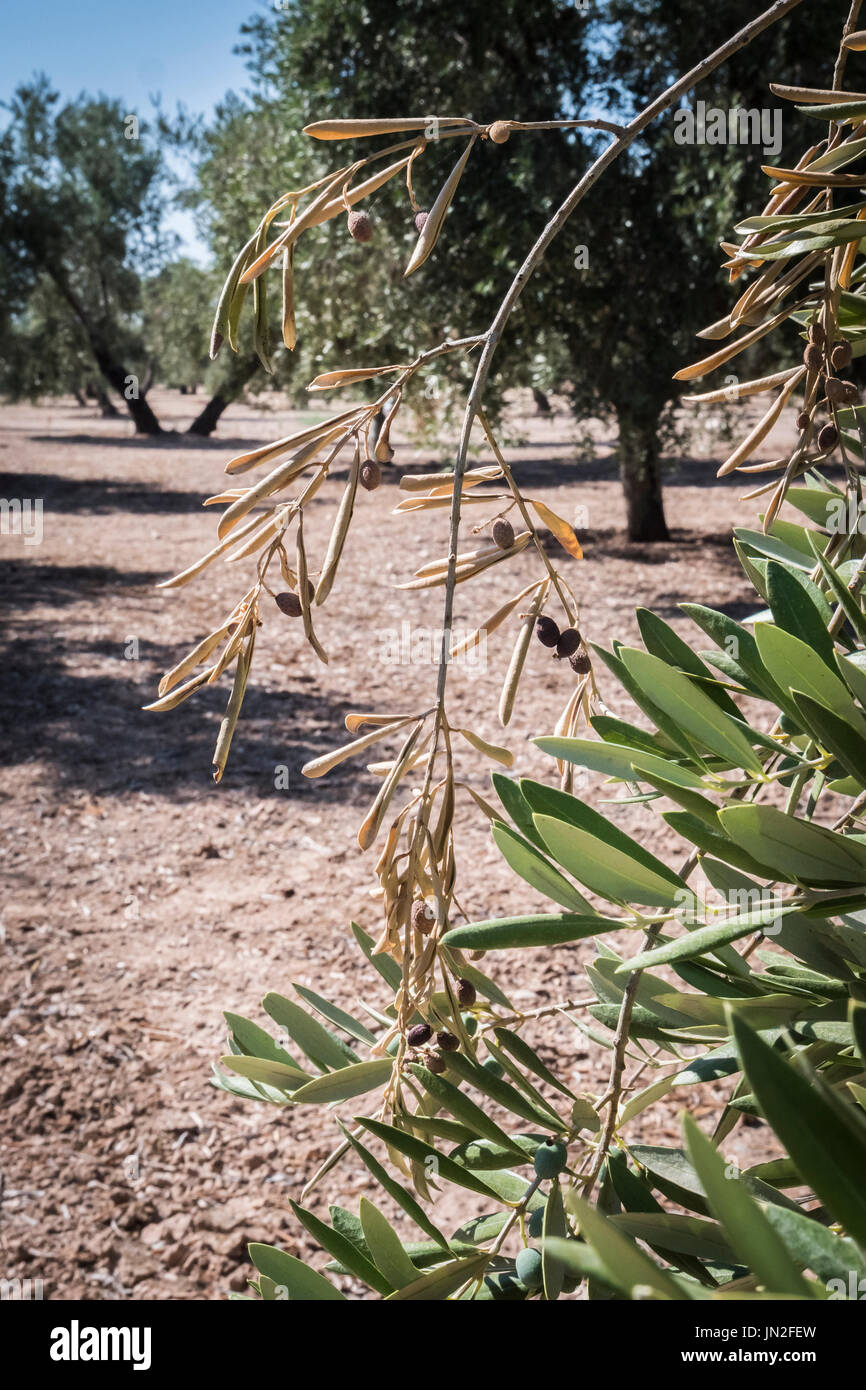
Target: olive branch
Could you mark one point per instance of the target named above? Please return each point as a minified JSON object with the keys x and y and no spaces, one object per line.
{"x":416,"y":868}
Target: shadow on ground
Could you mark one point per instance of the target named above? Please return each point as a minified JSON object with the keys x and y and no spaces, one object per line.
{"x":70,"y":700}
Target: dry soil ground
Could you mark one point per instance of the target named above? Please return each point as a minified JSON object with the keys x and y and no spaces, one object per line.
{"x":140,"y":900}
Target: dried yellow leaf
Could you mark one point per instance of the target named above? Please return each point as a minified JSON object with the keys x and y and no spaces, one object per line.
{"x":432,"y":504}
{"x":748,"y":446}
{"x":490,"y":750}
{"x":560,"y":528}
{"x":519,"y":654}
{"x":177,"y":697}
{"x":324,"y":431}
{"x":355,"y":195}
{"x":201,"y":564}
{"x":352,"y":130}
{"x":294,"y":229}
{"x":709,"y":364}
{"x":356,"y":720}
{"x":370,"y":827}
{"x":339,"y":532}
{"x":328,"y":380}
{"x":421,"y":482}
{"x":274,"y":481}
{"x":492,"y":623}
{"x":233,"y":708}
{"x":429,"y":234}
{"x":317,"y":767}
{"x":744,"y":388}
{"x":304,"y":592}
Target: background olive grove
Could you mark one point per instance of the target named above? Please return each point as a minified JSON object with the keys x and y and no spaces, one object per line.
{"x":98,"y":300}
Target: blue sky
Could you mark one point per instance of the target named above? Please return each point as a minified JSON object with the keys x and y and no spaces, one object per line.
{"x":179,"y":49}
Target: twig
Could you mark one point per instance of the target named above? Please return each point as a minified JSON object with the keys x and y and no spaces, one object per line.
{"x":492,"y":338}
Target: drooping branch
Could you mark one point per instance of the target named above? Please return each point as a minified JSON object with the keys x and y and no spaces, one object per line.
{"x":493,"y":336}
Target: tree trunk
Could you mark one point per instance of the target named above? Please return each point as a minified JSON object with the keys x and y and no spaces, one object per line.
{"x":107,"y":409}
{"x":640,"y":474}
{"x":111,"y":369}
{"x":542,"y":404}
{"x":240,"y":371}
{"x":117,"y":376}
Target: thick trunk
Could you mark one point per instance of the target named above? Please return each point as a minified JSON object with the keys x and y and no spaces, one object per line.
{"x":207,"y":419}
{"x":143,"y":417}
{"x":542,"y":404}
{"x":107,"y":409}
{"x":640,"y":474}
{"x":116,"y":375}
{"x":241,"y":370}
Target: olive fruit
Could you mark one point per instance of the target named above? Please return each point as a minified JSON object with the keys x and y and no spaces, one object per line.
{"x":828,"y":439}
{"x":492,"y":1066}
{"x":580,"y":662}
{"x":420,"y":220}
{"x":503,"y":534}
{"x":569,"y":641}
{"x":370,"y":476}
{"x":289,"y":604}
{"x":840,"y":357}
{"x":436,"y":1063}
{"x":360,"y":226}
{"x":423,"y":917}
{"x":547,"y":632}
{"x":536,"y":1223}
{"x":835,"y":389}
{"x":447,"y":1042}
{"x":470,"y":1024}
{"x":466,"y":995}
{"x":813,"y":357}
{"x":803,"y":420}
{"x":528,"y":1268}
{"x":550,"y":1158}
{"x":419,"y":1034}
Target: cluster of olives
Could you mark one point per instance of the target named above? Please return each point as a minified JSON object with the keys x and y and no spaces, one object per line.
{"x":361,"y":228}
{"x":421,"y":1037}
{"x":568,"y":644}
{"x":828,"y":358}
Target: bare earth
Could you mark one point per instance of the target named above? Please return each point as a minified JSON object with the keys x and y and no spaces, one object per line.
{"x":140,"y":900}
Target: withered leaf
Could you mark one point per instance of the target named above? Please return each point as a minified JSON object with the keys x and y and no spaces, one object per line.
{"x":560,"y":529}
{"x":429,"y":234}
